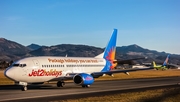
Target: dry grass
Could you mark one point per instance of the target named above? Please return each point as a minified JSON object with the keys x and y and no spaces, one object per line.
{"x":142,"y":74}
{"x":4,"y":80}
{"x":160,"y":95}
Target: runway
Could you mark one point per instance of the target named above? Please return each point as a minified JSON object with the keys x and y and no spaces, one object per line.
{"x":49,"y":92}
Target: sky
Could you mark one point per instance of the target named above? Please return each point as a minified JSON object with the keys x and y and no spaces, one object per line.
{"x":151,"y":24}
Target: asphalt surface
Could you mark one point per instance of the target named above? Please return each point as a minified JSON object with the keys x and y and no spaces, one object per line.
{"x":49,"y":92}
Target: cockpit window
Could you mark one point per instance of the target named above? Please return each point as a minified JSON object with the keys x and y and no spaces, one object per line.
{"x":22,"y":65}
{"x":19,"y":65}
{"x":15,"y":65}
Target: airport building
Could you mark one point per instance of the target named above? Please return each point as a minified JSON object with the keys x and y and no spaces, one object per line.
{"x":144,"y":65}
{"x":173,"y":66}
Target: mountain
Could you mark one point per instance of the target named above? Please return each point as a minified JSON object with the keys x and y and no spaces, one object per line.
{"x":124,"y":52}
{"x":135,"y":51}
{"x":34,"y":46}
{"x":67,"y":49}
{"x":11,"y":50}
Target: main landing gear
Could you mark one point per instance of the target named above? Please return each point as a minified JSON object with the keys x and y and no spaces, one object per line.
{"x":60,"y":83}
{"x":85,"y":86}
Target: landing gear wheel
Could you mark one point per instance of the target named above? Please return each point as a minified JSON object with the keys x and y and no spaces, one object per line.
{"x":60,"y":83}
{"x":24,"y":88}
{"x":85,"y":86}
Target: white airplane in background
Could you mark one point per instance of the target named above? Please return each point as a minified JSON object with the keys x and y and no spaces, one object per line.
{"x":82,"y":70}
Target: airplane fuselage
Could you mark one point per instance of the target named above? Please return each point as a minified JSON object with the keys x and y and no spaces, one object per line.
{"x":46,"y":68}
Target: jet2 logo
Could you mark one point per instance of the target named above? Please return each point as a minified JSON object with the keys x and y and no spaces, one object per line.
{"x":43,"y":72}
{"x":89,"y":78}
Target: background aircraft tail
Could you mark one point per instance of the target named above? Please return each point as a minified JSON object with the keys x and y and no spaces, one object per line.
{"x":166,"y":61}
{"x":109,"y":52}
{"x":154,"y":64}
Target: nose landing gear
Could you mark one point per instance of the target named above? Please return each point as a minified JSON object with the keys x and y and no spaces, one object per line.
{"x":24,"y":86}
{"x":60,"y":83}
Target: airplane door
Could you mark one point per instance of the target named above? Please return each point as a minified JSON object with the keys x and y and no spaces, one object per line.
{"x":36,"y":63}
{"x":23,"y":70}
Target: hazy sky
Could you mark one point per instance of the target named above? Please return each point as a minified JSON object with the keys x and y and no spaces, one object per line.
{"x":152,"y":24}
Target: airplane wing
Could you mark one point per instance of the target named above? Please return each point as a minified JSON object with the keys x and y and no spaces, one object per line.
{"x":97,"y":74}
{"x":128,"y":61}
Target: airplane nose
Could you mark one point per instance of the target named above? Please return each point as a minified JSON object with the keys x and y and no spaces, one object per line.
{"x":9,"y":73}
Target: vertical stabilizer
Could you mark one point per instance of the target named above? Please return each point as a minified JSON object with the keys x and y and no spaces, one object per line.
{"x":154,"y":64}
{"x":166,"y":61}
{"x":109,"y":52}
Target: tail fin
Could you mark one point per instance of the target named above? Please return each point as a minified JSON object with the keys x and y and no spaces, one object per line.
{"x":154,"y":64}
{"x":109,"y":52}
{"x":166,"y":61}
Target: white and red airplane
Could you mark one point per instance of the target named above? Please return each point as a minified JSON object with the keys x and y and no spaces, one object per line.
{"x":82,"y":70}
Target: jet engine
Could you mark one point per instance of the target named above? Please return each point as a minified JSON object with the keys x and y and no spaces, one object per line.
{"x":83,"y":79}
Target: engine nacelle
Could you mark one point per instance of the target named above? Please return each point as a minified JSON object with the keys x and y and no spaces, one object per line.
{"x":83,"y":79}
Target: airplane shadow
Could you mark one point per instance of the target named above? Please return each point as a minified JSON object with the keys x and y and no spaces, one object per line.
{"x":18,"y":87}
{"x":9,"y":87}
